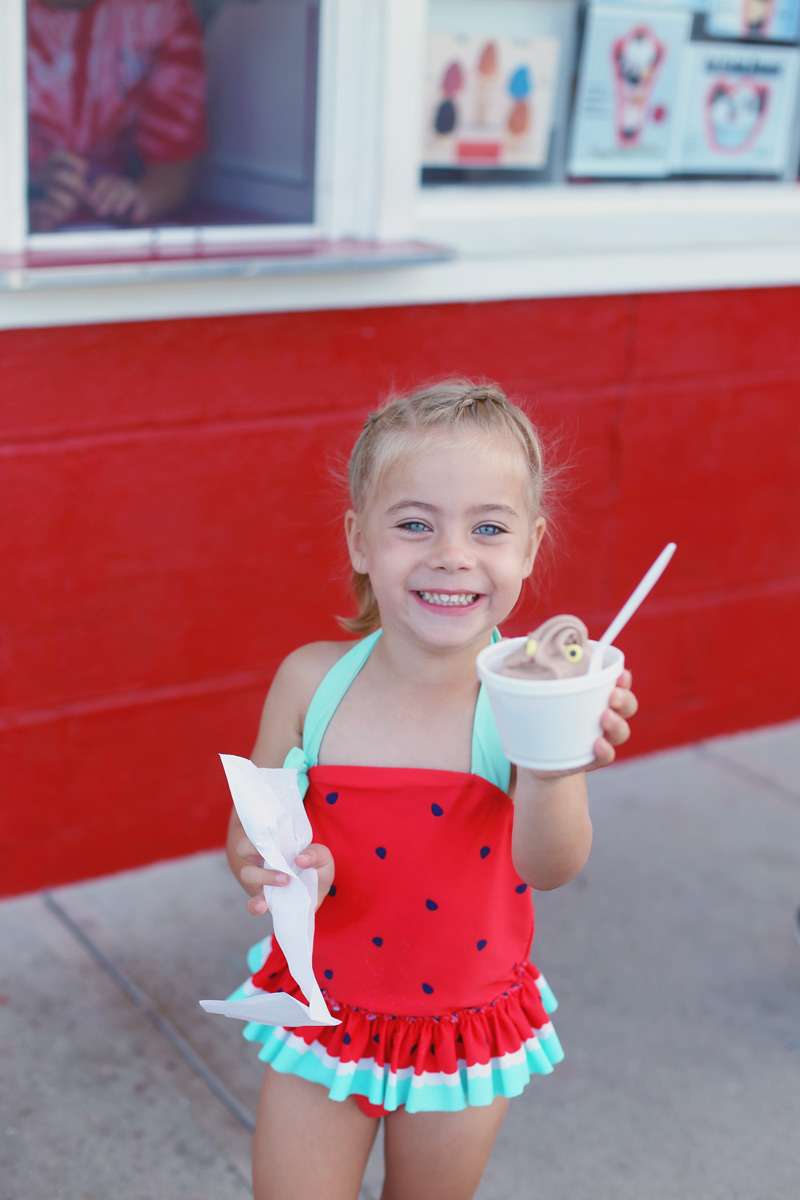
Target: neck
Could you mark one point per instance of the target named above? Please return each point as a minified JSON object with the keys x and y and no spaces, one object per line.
{"x":408,"y":664}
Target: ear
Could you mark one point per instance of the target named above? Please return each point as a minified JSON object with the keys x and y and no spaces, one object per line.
{"x":537,"y":533}
{"x":355,"y":541}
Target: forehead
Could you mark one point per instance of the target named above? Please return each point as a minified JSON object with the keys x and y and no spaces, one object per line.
{"x":486,"y":467}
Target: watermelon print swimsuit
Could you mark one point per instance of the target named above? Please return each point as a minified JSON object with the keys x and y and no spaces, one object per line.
{"x":421,"y":946}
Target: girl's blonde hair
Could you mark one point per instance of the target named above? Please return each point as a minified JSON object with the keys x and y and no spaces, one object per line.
{"x":401,"y":428}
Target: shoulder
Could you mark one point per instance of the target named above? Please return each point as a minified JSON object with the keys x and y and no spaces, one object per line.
{"x":292,"y":690}
{"x":303,"y":670}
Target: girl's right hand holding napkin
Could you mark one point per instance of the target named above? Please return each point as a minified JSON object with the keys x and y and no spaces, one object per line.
{"x":248,"y":867}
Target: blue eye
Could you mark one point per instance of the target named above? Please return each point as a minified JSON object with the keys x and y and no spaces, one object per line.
{"x":488,"y":529}
{"x":414,"y":526}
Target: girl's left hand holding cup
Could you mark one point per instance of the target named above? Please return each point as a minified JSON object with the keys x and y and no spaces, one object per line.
{"x":254,"y":876}
{"x":622,"y":705}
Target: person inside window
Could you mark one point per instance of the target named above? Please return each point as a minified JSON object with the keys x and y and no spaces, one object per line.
{"x":116,"y":110}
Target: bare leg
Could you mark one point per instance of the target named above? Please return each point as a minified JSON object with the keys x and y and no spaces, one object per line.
{"x":306,"y":1145}
{"x":439,"y":1156}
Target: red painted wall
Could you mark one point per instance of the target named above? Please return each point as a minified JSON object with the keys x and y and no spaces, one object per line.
{"x":171,"y":530}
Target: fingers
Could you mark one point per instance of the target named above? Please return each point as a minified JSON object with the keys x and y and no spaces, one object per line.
{"x":64,"y":179}
{"x":615,"y":727}
{"x":56,"y":207}
{"x":254,"y":876}
{"x":321,"y":859}
{"x":622,"y":705}
{"x":254,"y":879}
{"x":258,"y":877}
{"x":315,"y":855}
{"x":114,"y":197}
{"x":61,"y":183}
{"x":622,"y":700}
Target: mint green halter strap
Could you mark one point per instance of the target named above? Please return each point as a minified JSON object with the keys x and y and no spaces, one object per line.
{"x":488,"y":759}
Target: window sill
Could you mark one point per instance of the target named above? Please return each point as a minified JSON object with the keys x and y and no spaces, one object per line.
{"x":612,"y":217}
{"x":38,"y":269}
{"x":47,"y":290}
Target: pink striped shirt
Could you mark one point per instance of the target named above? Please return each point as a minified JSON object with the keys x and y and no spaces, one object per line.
{"x":119,"y":77}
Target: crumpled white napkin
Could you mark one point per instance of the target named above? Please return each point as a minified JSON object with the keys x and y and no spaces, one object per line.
{"x":271,"y":810}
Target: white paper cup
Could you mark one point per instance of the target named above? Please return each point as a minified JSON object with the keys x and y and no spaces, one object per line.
{"x":548,"y":724}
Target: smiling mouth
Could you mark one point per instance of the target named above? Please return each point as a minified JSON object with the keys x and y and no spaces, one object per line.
{"x":449,"y":599}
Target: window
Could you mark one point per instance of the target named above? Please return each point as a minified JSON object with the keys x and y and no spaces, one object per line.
{"x":180,"y":113}
{"x":555,"y":91}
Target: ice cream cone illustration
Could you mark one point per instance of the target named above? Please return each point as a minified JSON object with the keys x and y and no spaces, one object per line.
{"x":446,"y":116}
{"x":735,"y":113}
{"x":520,"y":87}
{"x":637,"y":59}
{"x":485,"y":82}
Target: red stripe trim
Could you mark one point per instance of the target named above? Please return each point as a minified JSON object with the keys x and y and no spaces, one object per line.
{"x":478,"y":152}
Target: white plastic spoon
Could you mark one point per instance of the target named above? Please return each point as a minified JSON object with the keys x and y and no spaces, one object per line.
{"x":629,"y":607}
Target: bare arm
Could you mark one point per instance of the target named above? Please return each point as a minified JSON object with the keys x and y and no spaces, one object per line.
{"x":552,"y":832}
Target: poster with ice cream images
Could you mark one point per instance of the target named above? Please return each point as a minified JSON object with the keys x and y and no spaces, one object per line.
{"x":768,"y":20}
{"x":488,"y":100}
{"x":627,"y":91}
{"x":737,"y":109}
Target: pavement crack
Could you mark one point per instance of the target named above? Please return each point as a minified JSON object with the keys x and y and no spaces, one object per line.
{"x":150,"y":1011}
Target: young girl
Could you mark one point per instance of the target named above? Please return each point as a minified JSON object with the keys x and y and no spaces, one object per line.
{"x":426,"y":839}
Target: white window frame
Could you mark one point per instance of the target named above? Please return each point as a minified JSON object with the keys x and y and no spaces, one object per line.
{"x":509,"y":242}
{"x":358,"y":191}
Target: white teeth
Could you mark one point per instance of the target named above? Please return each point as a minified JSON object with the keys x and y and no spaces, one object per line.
{"x":448,"y":599}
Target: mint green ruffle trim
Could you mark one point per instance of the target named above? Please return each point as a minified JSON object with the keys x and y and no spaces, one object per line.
{"x":474,"y":1086}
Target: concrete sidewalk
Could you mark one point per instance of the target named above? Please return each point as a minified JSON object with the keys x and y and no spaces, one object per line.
{"x":673,"y":955}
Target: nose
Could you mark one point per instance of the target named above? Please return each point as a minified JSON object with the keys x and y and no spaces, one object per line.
{"x":452,"y":551}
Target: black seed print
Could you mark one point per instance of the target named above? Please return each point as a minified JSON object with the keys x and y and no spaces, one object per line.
{"x":332,"y":797}
{"x":329,"y":974}
{"x":347,"y":1039}
{"x":380,"y":851}
{"x":522,"y":887}
{"x":376,"y":1038}
{"x":482,"y":944}
{"x":427,"y":989}
{"x":485,"y":850}
{"x":432,"y":905}
{"x":332,"y":890}
{"x":377,"y":941}
{"x":437,"y":810}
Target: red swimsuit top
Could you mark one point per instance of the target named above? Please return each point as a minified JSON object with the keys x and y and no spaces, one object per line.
{"x":426,"y":914}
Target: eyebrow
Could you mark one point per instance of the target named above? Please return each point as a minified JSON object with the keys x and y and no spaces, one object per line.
{"x":473,"y":511}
